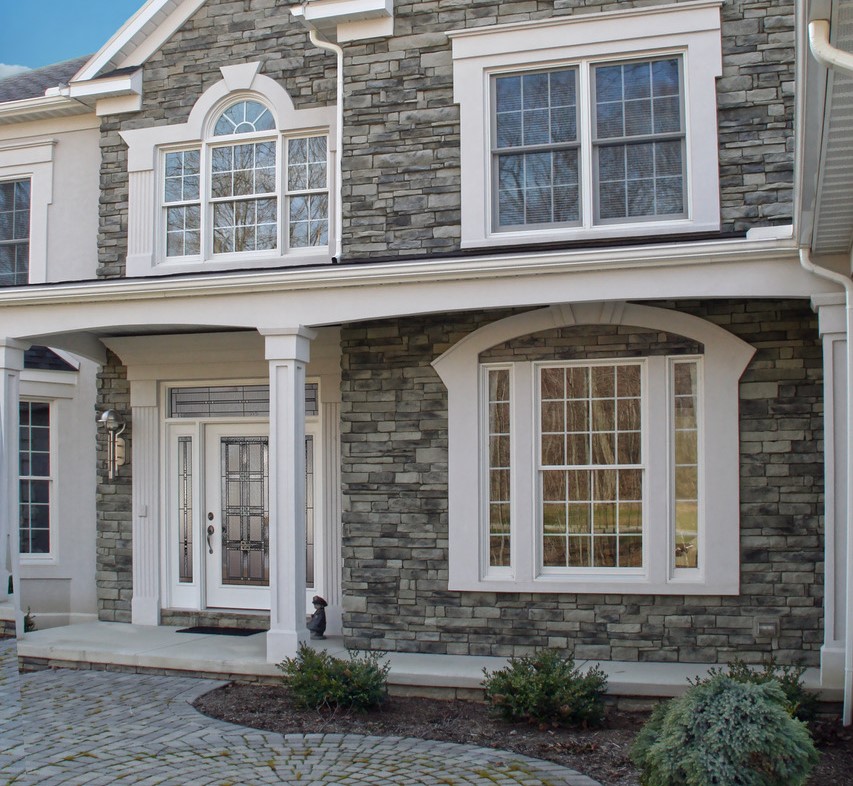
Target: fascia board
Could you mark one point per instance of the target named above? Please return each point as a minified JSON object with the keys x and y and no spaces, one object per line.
{"x":142,"y":35}
{"x":339,"y":11}
{"x":427,"y":271}
{"x":101,"y":88}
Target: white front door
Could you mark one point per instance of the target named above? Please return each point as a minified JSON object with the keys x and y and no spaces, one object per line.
{"x":236,"y":516}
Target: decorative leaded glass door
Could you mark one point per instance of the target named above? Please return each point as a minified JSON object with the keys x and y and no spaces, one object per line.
{"x":237,"y":523}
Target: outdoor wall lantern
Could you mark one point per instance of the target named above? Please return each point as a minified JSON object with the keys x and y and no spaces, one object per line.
{"x":114,"y":425}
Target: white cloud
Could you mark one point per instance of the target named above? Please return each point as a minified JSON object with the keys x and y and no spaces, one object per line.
{"x":11,"y":70}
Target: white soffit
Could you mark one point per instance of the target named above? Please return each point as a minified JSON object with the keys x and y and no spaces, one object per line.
{"x":140,"y":37}
{"x":833,"y":223}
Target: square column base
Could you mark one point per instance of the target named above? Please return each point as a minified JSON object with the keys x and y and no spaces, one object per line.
{"x":145,"y":611}
{"x":283,"y":644}
{"x":832,"y":666}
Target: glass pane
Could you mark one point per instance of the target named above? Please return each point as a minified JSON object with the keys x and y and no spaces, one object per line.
{"x":499,"y":441}
{"x":186,"y":523}
{"x":244,"y":117}
{"x":685,"y":435}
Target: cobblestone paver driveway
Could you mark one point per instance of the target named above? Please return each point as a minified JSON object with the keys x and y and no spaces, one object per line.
{"x":64,"y":728}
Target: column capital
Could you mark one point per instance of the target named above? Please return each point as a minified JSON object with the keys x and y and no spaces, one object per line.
{"x":12,"y":354}
{"x":293,"y":343}
{"x":831,"y":313}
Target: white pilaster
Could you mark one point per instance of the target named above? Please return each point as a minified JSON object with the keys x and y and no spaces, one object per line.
{"x":831,"y":318}
{"x":145,"y":605}
{"x":11,"y":365}
{"x":287,"y":351}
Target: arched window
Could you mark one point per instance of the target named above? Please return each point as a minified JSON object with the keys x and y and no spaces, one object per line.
{"x":245,"y":189}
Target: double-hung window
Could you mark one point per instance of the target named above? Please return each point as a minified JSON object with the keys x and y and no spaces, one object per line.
{"x":14,"y":232}
{"x":599,"y":125}
{"x":225,"y":197}
{"x":35,"y":480}
{"x":632,"y":143}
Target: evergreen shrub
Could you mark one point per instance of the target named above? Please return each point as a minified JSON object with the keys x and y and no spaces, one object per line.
{"x":547,"y":689}
{"x":317,"y":680}
{"x":725,"y":733}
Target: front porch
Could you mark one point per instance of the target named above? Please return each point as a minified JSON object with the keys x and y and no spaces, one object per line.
{"x":142,"y":648}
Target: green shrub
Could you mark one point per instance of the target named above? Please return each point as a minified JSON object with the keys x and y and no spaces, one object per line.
{"x":547,"y":689}
{"x":315,"y":679}
{"x":799,"y":702}
{"x":724,"y":733}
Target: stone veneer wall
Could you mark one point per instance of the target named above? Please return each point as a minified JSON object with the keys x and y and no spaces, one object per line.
{"x":401,"y":132}
{"x":114,"y":577}
{"x":394,"y":454}
{"x":401,"y":129}
{"x":221,"y":32}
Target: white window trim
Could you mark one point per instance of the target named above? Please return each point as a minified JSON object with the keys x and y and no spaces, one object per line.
{"x":146,"y":148}
{"x":32,"y":159}
{"x":50,"y":557}
{"x":691,"y":30}
{"x":724,"y":360}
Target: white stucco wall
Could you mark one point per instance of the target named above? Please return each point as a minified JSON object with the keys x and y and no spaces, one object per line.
{"x":60,"y":589}
{"x":62,"y":158}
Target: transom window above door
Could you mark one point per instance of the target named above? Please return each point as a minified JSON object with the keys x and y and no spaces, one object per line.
{"x":253,"y":194}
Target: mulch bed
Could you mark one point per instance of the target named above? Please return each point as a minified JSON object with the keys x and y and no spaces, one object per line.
{"x":602,"y":754}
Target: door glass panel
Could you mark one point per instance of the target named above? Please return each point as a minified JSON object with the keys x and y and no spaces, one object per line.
{"x":185,"y":509}
{"x":309,"y":510}
{"x":245,"y":511}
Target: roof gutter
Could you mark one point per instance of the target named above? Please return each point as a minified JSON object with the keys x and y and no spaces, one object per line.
{"x":836,"y":59}
{"x":321,"y":42}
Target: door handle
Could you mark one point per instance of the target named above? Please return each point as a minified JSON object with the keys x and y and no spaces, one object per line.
{"x":210,"y":530}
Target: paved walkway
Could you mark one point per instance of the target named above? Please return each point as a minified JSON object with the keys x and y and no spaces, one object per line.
{"x":69,"y":728}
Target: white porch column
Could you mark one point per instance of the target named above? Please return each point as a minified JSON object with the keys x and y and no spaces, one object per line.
{"x":831,"y":320}
{"x":287,"y":351}
{"x":145,"y":605}
{"x":11,"y":365}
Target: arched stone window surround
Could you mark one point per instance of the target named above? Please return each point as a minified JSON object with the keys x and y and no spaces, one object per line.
{"x":724,"y":360}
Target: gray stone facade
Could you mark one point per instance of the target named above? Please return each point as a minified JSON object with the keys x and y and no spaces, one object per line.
{"x":394,"y":454}
{"x":401,"y":160}
{"x":114,"y":577}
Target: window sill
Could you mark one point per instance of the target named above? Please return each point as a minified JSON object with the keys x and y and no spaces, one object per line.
{"x":611,"y":584}
{"x":143,"y":265}
{"x":598,"y":233}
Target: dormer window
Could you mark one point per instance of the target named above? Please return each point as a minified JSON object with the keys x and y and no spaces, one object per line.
{"x":244,"y":183}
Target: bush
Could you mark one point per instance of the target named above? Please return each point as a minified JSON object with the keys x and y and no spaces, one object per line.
{"x":547,"y":689}
{"x":315,"y":679}
{"x":799,"y":702}
{"x":724,"y":733}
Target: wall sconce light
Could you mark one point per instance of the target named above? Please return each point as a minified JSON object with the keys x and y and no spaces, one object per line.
{"x":114,"y":425}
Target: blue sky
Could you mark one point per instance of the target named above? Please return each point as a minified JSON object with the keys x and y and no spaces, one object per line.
{"x":34,"y":33}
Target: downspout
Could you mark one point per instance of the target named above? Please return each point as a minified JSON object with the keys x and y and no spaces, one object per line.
{"x":323,"y":43}
{"x":832,"y":58}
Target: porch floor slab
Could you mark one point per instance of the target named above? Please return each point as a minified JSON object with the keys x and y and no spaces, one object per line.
{"x":112,"y":645}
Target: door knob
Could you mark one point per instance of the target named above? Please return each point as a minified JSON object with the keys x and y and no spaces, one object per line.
{"x":210,"y":530}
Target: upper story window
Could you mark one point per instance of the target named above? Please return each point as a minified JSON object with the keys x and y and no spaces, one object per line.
{"x":225,"y":198}
{"x":592,"y":133}
{"x":14,"y":232}
{"x":245,"y":182}
{"x":635,"y":149}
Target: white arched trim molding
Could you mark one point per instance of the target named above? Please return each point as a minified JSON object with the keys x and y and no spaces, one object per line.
{"x":144,"y":153}
{"x":723,"y":361}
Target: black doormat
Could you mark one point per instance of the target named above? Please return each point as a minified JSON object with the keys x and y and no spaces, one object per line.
{"x":222,"y":631}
